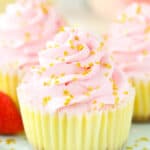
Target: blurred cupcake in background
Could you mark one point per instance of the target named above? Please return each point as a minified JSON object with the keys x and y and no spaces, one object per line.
{"x":25,"y":27}
{"x":129,"y":41}
{"x":76,"y":98}
{"x":138,"y":1}
{"x":109,"y":8}
{"x":106,"y":9}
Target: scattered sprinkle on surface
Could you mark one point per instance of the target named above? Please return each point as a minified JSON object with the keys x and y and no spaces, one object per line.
{"x":10,"y":141}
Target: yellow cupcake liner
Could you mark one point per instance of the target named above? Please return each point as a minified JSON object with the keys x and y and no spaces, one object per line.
{"x":8,"y":85}
{"x":142,"y":99}
{"x":105,"y":130}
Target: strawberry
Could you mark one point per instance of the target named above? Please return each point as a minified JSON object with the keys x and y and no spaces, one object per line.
{"x":10,"y":119}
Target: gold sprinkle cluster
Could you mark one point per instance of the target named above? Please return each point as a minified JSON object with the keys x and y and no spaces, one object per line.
{"x":145,"y":52}
{"x":10,"y":141}
{"x":147,"y":30}
{"x":115,"y":92}
{"x":69,"y":97}
{"x":138,"y":9}
{"x":44,"y":8}
{"x":106,"y":65}
{"x":27,"y":36}
{"x":46,"y":100}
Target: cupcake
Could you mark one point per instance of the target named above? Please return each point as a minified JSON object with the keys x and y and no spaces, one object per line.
{"x":76,"y":99}
{"x":24,"y":29}
{"x":129,"y":41}
{"x":105,"y":8}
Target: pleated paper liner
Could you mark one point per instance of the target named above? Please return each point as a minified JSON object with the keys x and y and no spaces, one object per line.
{"x":8,"y":85}
{"x":142,"y":99}
{"x":105,"y":130}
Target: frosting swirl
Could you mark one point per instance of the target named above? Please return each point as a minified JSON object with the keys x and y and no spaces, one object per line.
{"x":24,"y":28}
{"x":129,"y":39}
{"x":74,"y":75}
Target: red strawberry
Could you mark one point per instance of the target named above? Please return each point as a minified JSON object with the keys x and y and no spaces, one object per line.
{"x":10,"y":119}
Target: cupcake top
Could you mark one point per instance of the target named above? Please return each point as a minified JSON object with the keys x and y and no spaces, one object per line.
{"x":25,"y":26}
{"x":75,"y":75}
{"x":129,"y":40}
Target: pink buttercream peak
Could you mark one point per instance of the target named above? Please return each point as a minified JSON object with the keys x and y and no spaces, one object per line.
{"x":75,"y":74}
{"x":25,"y":27}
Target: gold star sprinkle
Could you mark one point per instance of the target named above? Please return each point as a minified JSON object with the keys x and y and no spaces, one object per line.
{"x":123,"y":18}
{"x":87,"y":93}
{"x":66,"y":92}
{"x":129,"y":148}
{"x":71,"y":44}
{"x":80,"y":47}
{"x":57,"y":81}
{"x":44,"y":8}
{"x":46,"y":100}
{"x":65,"y":53}
{"x":90,"y":64}
{"x":94,"y":102}
{"x":27,"y":36}
{"x":10,"y":141}
{"x":106,"y":74}
{"x":105,"y":37}
{"x":117,"y":100}
{"x":143,"y":139}
{"x":47,"y":83}
{"x":90,"y":88}
{"x":43,"y":69}
{"x":53,"y":76}
{"x":39,"y":72}
{"x":71,"y":96}
{"x":78,"y":64}
{"x":60,"y":59}
{"x":115,"y":93}
{"x":138,"y":10}
{"x":97,"y":62}
{"x":85,"y":72}
{"x":145,"y":52}
{"x":33,"y":67}
{"x":76,"y":38}
{"x":61,"y":29}
{"x":51,"y":64}
{"x":67,"y":101}
{"x":62,"y":74}
{"x":147,"y":30}
{"x":92,"y":52}
{"x":125,"y":92}
{"x":101,"y":105}
{"x":74,"y":79}
{"x":106,"y":65}
{"x":101,"y":44}
{"x":115,"y":86}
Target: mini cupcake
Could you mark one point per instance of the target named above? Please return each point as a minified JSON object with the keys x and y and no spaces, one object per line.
{"x":129,"y":41}
{"x":24,"y":29}
{"x":75,"y":98}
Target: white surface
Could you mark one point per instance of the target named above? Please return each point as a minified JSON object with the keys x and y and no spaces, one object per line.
{"x":138,"y":131}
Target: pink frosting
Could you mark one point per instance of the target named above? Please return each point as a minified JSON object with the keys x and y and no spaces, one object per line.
{"x":24,"y":28}
{"x":74,"y":75}
{"x":129,"y":39}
